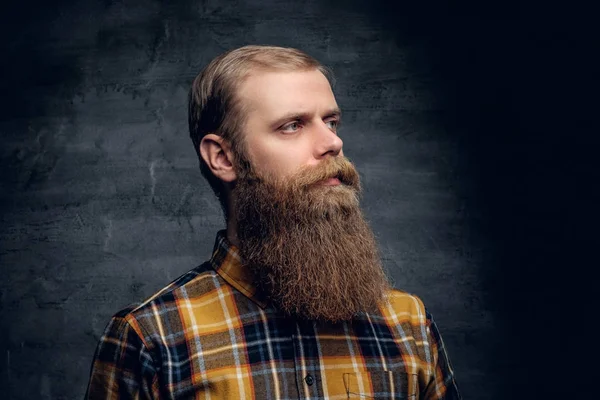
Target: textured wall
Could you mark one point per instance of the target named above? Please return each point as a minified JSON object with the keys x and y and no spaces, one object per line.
{"x":102,"y":202}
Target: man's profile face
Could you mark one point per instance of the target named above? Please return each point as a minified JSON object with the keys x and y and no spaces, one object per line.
{"x":303,"y":237}
{"x":292,"y":119}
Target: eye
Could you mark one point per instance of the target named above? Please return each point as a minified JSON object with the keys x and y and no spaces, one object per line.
{"x":291,"y":127}
{"x":333,"y":124}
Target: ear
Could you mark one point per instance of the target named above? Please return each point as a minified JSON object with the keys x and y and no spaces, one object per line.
{"x":217,"y":155}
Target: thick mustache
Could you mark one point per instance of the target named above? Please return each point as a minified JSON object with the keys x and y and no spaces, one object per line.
{"x":340,"y":168}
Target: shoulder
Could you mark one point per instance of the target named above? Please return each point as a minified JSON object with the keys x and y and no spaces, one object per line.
{"x":149,"y":317}
{"x":196,"y":281}
{"x":402,"y":306}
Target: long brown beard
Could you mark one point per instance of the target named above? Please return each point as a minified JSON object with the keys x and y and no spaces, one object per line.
{"x":308,"y":245}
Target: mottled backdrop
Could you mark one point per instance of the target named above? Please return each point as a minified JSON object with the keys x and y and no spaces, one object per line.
{"x":448,"y":117}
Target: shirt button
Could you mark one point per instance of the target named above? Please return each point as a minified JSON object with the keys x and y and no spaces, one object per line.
{"x":309,"y":380}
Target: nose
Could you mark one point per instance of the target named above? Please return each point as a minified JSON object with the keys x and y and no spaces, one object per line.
{"x":327,"y":142}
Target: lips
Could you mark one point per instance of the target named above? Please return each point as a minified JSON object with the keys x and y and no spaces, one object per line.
{"x":330,"y":182}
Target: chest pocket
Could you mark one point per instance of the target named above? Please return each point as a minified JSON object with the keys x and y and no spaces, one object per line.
{"x":381,"y":385}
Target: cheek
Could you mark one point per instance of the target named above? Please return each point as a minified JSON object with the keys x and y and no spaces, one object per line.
{"x":279,"y":158}
{"x":283,"y":164}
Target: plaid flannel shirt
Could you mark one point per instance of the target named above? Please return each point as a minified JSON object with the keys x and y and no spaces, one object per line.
{"x":210,"y":335}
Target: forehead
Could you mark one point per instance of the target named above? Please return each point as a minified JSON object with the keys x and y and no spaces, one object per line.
{"x":271,"y":93}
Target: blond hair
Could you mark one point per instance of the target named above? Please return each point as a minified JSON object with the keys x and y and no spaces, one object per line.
{"x":214,"y":106}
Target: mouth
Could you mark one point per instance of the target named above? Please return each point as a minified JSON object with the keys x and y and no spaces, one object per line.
{"x":330,"y":182}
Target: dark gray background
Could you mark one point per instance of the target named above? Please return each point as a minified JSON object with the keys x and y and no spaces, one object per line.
{"x":458,"y":118}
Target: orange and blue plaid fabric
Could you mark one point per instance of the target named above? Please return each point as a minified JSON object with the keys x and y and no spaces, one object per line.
{"x":210,"y":335}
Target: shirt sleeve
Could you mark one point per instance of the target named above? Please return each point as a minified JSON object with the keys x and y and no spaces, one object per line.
{"x":442,"y":385}
{"x":122,"y":367}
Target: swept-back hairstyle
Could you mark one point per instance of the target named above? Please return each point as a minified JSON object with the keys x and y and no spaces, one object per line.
{"x":213,"y":104}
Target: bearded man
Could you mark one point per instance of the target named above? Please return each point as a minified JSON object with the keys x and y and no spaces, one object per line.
{"x":294,"y":302}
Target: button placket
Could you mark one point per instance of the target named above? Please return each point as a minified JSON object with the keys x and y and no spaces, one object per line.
{"x":307,"y":373}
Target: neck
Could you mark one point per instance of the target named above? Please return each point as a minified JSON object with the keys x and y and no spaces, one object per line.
{"x":232,"y":231}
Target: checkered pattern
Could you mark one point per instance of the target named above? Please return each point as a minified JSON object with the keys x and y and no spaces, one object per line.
{"x":209,"y":335}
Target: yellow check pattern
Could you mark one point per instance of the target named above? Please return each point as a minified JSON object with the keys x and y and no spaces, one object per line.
{"x":211,"y":335}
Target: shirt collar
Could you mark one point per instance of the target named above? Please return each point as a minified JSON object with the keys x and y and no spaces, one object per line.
{"x":228,"y":264}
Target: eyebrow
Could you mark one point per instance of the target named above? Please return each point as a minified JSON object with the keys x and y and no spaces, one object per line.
{"x":332,"y":112}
